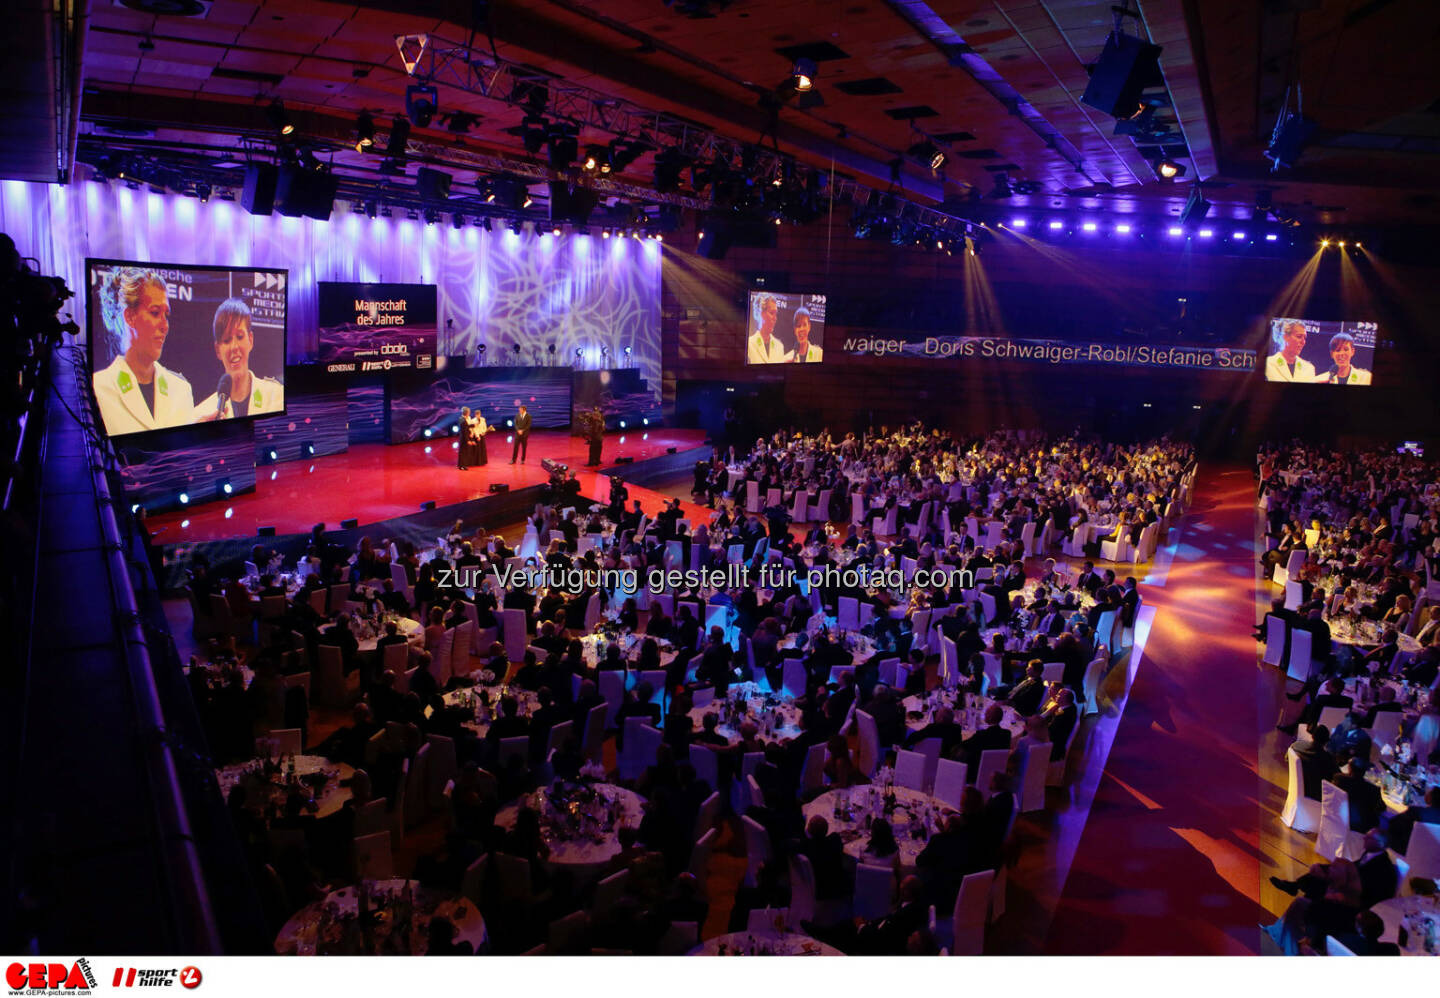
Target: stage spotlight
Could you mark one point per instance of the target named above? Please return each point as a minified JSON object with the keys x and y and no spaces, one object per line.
{"x":622,"y":424}
{"x":457,"y":220}
{"x":226,"y":487}
{"x":1169,"y":169}
{"x":555,"y":231}
{"x":364,"y":132}
{"x":1342,"y":244}
{"x":645,"y":421}
{"x":929,"y":153}
{"x":1018,"y":223}
{"x":431,"y":216}
{"x":622,"y":438}
{"x":134,"y":508}
{"x":1175,"y":230}
{"x":605,"y":233}
{"x":274,"y":456}
{"x":1324,"y":243}
{"x":627,"y":351}
{"x":1237,"y":235}
{"x":420,"y":104}
{"x":1056,"y":225}
{"x":517,"y":227}
{"x":1122,"y":229}
{"x":184,"y":524}
{"x":371,"y":209}
{"x":1206,"y":233}
{"x":184,"y":498}
{"x":803,"y":74}
{"x":399,"y":136}
{"x":1271,"y":237}
{"x":579,"y":353}
{"x":488,"y":226}
{"x":229,"y":512}
{"x":527,"y":202}
{"x":1090,"y":226}
{"x":279,"y":118}
{"x":427,"y":433}
{"x":562,"y":145}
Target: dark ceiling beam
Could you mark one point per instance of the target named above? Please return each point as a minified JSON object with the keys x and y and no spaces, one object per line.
{"x":520,"y":26}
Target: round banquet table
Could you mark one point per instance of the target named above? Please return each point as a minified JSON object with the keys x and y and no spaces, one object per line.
{"x":775,"y":716}
{"x":764,"y":944}
{"x":301,"y":935}
{"x":914,"y":812}
{"x":328,"y":801}
{"x":630,"y":646}
{"x":587,"y":849}
{"x":920,"y":711}
{"x":1394,"y":910}
{"x":481,"y":717}
{"x":860,"y":647}
{"x":409,"y":629}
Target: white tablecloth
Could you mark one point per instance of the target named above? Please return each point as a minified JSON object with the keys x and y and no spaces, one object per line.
{"x":586,"y":852}
{"x":330,"y":798}
{"x":914,"y":811}
{"x":300,"y":935}
{"x":779,"y":720}
{"x":410,"y":629}
{"x":764,"y":944}
{"x":1393,"y":911}
{"x":971,"y":719}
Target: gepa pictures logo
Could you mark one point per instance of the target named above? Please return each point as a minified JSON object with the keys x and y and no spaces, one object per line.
{"x":67,"y":978}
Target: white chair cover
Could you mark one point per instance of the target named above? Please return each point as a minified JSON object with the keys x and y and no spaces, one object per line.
{"x":992,"y":761}
{"x":949,"y":782}
{"x":874,"y":890}
{"x":1300,"y":812}
{"x":1335,"y":839}
{"x":869,"y":755}
{"x":1275,"y":630}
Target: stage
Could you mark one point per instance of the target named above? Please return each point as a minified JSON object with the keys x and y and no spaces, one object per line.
{"x":376,"y":482}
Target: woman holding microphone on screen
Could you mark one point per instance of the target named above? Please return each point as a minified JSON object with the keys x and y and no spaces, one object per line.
{"x":135,"y":392}
{"x":240,"y":391}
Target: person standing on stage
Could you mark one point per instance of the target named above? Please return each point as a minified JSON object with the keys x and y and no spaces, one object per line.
{"x":478,"y":428}
{"x":594,"y":435}
{"x":468,"y":456}
{"x":522,"y":435}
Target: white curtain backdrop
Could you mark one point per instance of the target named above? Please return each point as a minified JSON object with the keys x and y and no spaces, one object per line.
{"x":598,"y":296}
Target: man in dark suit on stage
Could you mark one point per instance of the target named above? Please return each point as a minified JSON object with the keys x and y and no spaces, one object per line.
{"x":522,"y":435}
{"x":594,"y":430}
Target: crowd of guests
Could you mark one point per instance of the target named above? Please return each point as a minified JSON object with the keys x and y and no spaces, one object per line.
{"x":1367,"y":523}
{"x":1049,"y":614}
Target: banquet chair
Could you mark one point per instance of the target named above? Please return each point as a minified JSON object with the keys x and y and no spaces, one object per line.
{"x":397,"y":813}
{"x":874,"y":891}
{"x":1055,"y":774}
{"x":752,"y":497}
{"x":848,"y":615}
{"x":529,"y":544}
{"x":332,"y":686}
{"x":812,"y":775}
{"x":1300,"y":662}
{"x":641,"y":743}
{"x":1333,"y":717}
{"x":699,"y":864}
{"x":354,"y":607}
{"x":821,"y":509}
{"x":867,"y":614}
{"x":1385,"y":730}
{"x":886,"y":671}
{"x":1027,"y":540}
{"x":472,"y":884}
{"x":800,"y":508}
{"x":513,"y":627}
{"x":1276,"y":632}
{"x":1094,"y":672}
{"x":1033,"y":782}
{"x":1294,"y":595}
{"x":594,"y":743}
{"x":297,"y":680}
{"x":768,"y":921}
{"x":802,"y":892}
{"x":1120,"y":550}
{"x":964,"y":931}
{"x":679,"y":939}
{"x":608,"y":893}
{"x":1335,"y":839}
{"x":441,"y":770}
{"x":793,"y":677}
{"x":992,"y":761}
{"x":373,"y":816}
{"x":709,"y":812}
{"x":440,"y":657}
{"x":910,"y":770}
{"x":401,"y":581}
{"x":869,"y":756}
{"x":559,"y":734}
{"x":1054,"y":672}
{"x":1334,"y":947}
{"x":656,"y":679}
{"x":908,"y":567}
{"x":774,"y":497}
{"x":674,"y":556}
{"x":373,"y":858}
{"x":665,"y":601}
{"x":920,"y":628}
{"x":394,"y":658}
{"x":949,"y":782}
{"x":339,"y":594}
{"x":287,"y":741}
{"x":837,"y":671}
{"x":993,"y":665}
{"x":885,"y":526}
{"x":416,"y":795}
{"x":612,"y":691}
{"x":702,"y":697}
{"x":857,"y":507}
{"x":902,"y":677}
{"x":458,"y":664}
{"x":569,"y":936}
{"x":1421,"y":858}
{"x":988,"y":607}
{"x":511,"y":749}
{"x":930,"y":749}
{"x":741,"y":796}
{"x":707,"y":767}
{"x":994,"y":534}
{"x":972,"y":528}
{"x":1293,"y":564}
{"x":1149,"y":540}
{"x":949,"y":663}
{"x":757,"y":849}
{"x":317,"y":599}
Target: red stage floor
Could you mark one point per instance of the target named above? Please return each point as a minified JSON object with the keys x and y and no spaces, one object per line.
{"x":373,"y":482}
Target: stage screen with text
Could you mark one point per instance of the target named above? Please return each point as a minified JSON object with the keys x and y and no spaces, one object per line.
{"x":376,"y":327}
{"x":180,"y":345}
{"x":1310,"y":351}
{"x":785,"y":329}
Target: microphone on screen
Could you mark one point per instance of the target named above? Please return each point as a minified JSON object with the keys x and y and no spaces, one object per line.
{"x":222,"y":393}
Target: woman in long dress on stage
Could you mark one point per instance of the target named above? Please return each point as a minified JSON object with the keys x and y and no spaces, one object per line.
{"x":469,"y":455}
{"x":478,"y":429}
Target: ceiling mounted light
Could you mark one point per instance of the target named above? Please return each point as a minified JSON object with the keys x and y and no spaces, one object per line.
{"x":929,"y":153}
{"x":1168,"y":169}
{"x":364,"y":132}
{"x":528,"y":200}
{"x":412,"y":49}
{"x":803,"y":74}
{"x":279,"y":118}
{"x":399,"y":136}
{"x":562,"y":145}
{"x":421,"y":103}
